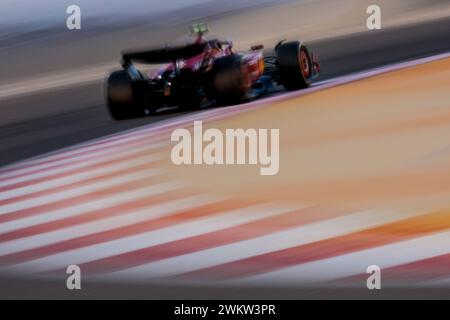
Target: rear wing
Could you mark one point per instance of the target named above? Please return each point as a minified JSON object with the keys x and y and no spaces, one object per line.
{"x":160,"y":56}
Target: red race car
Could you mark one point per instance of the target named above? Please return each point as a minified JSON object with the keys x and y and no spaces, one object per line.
{"x":206,"y":72}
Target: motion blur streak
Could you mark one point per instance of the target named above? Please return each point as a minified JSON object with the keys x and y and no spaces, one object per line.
{"x":364,"y":157}
{"x":358,"y":241}
{"x":324,"y":223}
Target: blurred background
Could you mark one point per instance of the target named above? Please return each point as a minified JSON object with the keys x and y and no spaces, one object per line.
{"x":35,"y":40}
{"x":50,"y":71}
{"x":51,"y":97}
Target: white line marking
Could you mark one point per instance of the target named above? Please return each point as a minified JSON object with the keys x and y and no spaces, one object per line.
{"x":84,"y":190}
{"x":79,"y":165}
{"x":66,"y":158}
{"x":356,"y":263}
{"x":77,"y":178}
{"x":191,"y":228}
{"x":88,"y":206}
{"x":148,"y":213}
{"x":296,"y":236}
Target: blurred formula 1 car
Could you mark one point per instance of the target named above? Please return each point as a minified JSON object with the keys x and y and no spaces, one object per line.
{"x":206,"y":72}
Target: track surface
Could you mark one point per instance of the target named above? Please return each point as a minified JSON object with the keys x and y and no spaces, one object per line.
{"x":77,"y":114}
{"x":117,"y":208}
{"x":60,"y":131}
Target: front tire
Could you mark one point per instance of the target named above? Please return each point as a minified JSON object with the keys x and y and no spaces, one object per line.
{"x":295,"y":65}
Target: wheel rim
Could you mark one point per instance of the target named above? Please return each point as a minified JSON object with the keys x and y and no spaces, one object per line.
{"x":304,"y":64}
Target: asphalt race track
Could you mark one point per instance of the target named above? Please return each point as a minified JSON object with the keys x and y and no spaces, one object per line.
{"x":82,"y":116}
{"x":112,"y":207}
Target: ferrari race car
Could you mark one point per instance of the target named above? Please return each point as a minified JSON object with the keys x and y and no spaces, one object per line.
{"x":205,"y":73}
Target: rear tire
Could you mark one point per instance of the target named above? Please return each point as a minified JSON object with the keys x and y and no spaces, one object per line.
{"x":231,"y":82}
{"x":295,"y":65}
{"x":121,"y":97}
